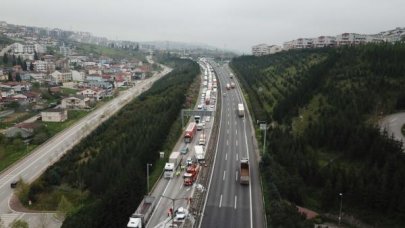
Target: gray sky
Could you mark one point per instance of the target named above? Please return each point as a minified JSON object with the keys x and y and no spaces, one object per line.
{"x":234,"y":24}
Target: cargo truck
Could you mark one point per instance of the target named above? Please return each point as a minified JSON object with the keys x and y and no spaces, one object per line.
{"x":202,"y":140}
{"x":171,"y":166}
{"x":241,"y":110}
{"x":199,"y":153}
{"x":207,"y":97}
{"x":190,"y":132}
{"x":142,"y":214}
{"x":244,"y":171}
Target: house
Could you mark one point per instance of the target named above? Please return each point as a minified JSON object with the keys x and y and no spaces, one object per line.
{"x":78,"y":76}
{"x":54,"y":115}
{"x":75,"y":102}
{"x":95,"y":93}
{"x":25,"y":130}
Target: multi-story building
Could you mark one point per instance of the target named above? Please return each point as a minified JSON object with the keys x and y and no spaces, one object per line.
{"x":350,"y":39}
{"x":264,"y":49}
{"x":324,"y":41}
{"x":60,"y":77}
{"x":43,"y":66}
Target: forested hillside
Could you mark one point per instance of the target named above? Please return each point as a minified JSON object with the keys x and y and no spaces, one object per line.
{"x":103,"y":178}
{"x":325,"y":104}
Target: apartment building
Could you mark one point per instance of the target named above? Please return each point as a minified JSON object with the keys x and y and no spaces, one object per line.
{"x":324,"y":41}
{"x":264,"y":49}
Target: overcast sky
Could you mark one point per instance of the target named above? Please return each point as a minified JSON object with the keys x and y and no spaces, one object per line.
{"x":233,"y":24}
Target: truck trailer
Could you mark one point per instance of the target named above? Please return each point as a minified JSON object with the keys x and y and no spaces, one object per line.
{"x":142,"y":214}
{"x":190,"y":132}
{"x":244,"y":171}
{"x":199,"y":153}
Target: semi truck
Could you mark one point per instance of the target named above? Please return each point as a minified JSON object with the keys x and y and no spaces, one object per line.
{"x":241,"y":110}
{"x":171,"y":166}
{"x":244,"y":171}
{"x":199,"y":153}
{"x":190,"y":132}
{"x":190,"y":176}
{"x":207,"y":97}
{"x":142,"y":214}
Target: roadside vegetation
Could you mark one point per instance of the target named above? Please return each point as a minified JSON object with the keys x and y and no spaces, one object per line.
{"x":103,"y":178}
{"x":324,"y":140}
{"x":403,"y":130}
{"x":115,"y":53}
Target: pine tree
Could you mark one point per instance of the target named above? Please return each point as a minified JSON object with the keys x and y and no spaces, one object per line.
{"x":5,"y":58}
{"x":10,"y":76}
{"x":18,"y":77}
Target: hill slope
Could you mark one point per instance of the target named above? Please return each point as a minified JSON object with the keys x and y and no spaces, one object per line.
{"x":326,"y":103}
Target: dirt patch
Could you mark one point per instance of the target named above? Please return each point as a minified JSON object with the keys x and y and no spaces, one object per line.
{"x":16,"y":205}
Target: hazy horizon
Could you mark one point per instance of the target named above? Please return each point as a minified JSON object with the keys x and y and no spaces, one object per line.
{"x":233,"y":25}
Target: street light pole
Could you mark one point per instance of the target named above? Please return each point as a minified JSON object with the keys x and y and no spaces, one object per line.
{"x":340,"y":211}
{"x":147,"y":177}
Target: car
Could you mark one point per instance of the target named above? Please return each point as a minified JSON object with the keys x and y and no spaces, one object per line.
{"x":14,"y":184}
{"x":200,"y":106}
{"x":207,"y":119}
{"x":184,"y":150}
{"x":189,"y":161}
{"x":224,"y":94}
{"x":180,"y":213}
{"x":212,"y":106}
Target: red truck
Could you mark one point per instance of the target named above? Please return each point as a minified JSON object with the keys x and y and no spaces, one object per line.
{"x":190,"y":176}
{"x":190,"y":132}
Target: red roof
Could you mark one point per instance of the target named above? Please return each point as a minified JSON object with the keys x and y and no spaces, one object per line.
{"x":308,"y":213}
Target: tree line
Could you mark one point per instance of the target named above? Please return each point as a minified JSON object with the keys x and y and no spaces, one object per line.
{"x":341,"y":149}
{"x":110,"y":162}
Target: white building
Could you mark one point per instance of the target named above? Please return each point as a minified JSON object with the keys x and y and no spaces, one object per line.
{"x":264,"y":49}
{"x":61,"y":76}
{"x":75,"y":103}
{"x":54,"y":115}
{"x":78,"y":76}
{"x":325,"y":41}
{"x":350,"y":39}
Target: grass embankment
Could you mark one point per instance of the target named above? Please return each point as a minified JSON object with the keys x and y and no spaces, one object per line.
{"x":13,"y":149}
{"x":403,"y":130}
{"x":115,"y":53}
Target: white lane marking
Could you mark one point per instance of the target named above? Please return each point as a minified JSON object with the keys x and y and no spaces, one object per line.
{"x":227,"y":131}
{"x":236,"y":157}
{"x":227,"y":142}
{"x":223,"y":177}
{"x":220,"y":201}
{"x":236,"y":176}
{"x":236,"y":142}
{"x":236,"y":200}
{"x":226,"y":156}
{"x":236,"y":132}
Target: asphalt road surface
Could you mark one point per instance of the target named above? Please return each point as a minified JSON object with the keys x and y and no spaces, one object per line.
{"x":168,"y":189}
{"x":228,"y":203}
{"x":32,"y":166}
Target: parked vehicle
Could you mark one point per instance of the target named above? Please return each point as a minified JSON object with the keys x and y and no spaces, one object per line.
{"x":184,"y":150}
{"x":171,"y":166}
{"x":199,"y":153}
{"x":142,"y":214}
{"x":190,"y":132}
{"x":244,"y":171}
{"x":190,"y":176}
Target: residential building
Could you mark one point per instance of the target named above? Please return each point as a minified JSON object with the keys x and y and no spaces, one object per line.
{"x":75,"y":103}
{"x":350,"y":39}
{"x":95,"y":93}
{"x":54,"y":115}
{"x":43,"y":66}
{"x":60,"y":77}
{"x":78,"y":76}
{"x":260,"y":49}
{"x":324,"y":41}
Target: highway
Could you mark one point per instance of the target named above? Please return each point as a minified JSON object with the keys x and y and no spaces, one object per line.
{"x":32,"y":166}
{"x":174,"y":188}
{"x":228,"y":203}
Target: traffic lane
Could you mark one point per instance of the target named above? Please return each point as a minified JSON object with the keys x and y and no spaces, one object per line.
{"x":393,"y":124}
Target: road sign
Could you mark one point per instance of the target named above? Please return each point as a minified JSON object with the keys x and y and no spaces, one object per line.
{"x":263,"y":127}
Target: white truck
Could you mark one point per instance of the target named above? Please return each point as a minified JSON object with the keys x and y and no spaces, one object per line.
{"x":202,"y":139}
{"x":199,"y":153}
{"x":171,"y":166}
{"x":142,"y":214}
{"x":241,"y":110}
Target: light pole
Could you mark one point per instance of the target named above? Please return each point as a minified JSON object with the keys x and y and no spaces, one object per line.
{"x":340,"y":210}
{"x":147,"y":177}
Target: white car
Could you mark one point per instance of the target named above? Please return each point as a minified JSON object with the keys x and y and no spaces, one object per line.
{"x":200,"y":106}
{"x":212,"y":106}
{"x":180,"y":213}
{"x":207,"y":119}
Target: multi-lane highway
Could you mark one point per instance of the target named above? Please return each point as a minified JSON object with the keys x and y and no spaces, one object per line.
{"x":33,"y":165}
{"x":228,"y":203}
{"x":169,"y":191}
